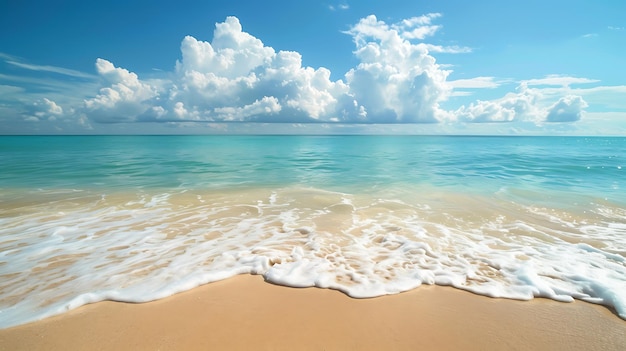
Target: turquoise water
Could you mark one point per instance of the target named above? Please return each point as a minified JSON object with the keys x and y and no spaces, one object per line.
{"x":137,"y":218}
{"x":585,"y":166}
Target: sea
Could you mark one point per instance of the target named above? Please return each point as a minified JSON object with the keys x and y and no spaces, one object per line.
{"x":139,"y":218}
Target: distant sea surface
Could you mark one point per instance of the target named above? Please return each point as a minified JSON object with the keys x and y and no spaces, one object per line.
{"x":138,"y":218}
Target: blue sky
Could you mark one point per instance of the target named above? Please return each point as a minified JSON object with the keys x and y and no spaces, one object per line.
{"x":434,"y":67}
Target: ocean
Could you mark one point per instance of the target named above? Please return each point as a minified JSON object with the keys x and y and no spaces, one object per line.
{"x":138,"y":218}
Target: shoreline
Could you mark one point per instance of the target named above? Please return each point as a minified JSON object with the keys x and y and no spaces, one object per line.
{"x":244,"y":312}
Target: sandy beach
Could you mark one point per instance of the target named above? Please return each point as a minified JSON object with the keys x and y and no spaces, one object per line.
{"x":246,"y":313}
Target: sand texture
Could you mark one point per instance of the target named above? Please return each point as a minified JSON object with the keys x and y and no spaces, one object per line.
{"x":246,"y":313}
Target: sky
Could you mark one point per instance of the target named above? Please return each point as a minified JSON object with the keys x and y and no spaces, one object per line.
{"x":491,"y":67}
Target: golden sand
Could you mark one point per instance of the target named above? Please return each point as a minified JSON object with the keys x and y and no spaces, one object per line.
{"x":246,"y":313}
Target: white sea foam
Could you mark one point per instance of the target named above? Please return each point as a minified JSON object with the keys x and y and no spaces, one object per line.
{"x":73,"y":249}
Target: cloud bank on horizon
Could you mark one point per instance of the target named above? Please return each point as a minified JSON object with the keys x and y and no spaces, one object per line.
{"x":237,"y":78}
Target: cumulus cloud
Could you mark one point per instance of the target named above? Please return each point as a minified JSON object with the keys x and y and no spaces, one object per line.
{"x":396,"y":80}
{"x":517,"y":106}
{"x":123,"y":99}
{"x":232,"y":53}
{"x":527,"y":104}
{"x":265,"y":106}
{"x":567,"y":109}
{"x":237,"y":70}
{"x":44,"y":109}
{"x":51,"y":107}
{"x":235,"y":77}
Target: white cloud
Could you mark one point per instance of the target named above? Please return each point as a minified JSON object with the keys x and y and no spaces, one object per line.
{"x":419,"y":20}
{"x":265,"y":106}
{"x":603,"y":89}
{"x":235,"y":77}
{"x":603,"y":97}
{"x":559,"y":80}
{"x":237,"y":70}
{"x":123,"y":99}
{"x":459,"y":86}
{"x":454,"y":49}
{"x":232,"y":53}
{"x":53,"y":69}
{"x":342,"y":6}
{"x":567,"y":109}
{"x":417,"y":27}
{"x":10,"y":89}
{"x":420,"y":32}
{"x":474,"y":83}
{"x":396,"y":81}
{"x":600,"y":97}
{"x":525,"y":105}
{"x":6,"y":56}
{"x":488,"y":111}
{"x":589,"y":35}
{"x":52,"y":108}
{"x":44,"y":109}
{"x":56,"y":88}
{"x":519,"y":106}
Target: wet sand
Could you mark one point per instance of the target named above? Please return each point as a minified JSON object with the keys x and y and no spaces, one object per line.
{"x":246,"y":313}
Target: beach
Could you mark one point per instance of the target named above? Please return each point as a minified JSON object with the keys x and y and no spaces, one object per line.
{"x":312,"y":176}
{"x":246,"y":313}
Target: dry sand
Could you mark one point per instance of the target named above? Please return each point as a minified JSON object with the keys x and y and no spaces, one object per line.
{"x":245,"y":313}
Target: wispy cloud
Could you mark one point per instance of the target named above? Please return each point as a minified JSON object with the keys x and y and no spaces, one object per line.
{"x":9,"y":89}
{"x":559,"y":80}
{"x":460,"y":85}
{"x":341,"y":6}
{"x":604,"y":97}
{"x":6,"y":56}
{"x":475,"y":83}
{"x":454,"y":49}
{"x":49,"y":84}
{"x":53,"y":69}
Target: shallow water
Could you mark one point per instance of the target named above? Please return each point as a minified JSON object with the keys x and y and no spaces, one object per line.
{"x":85,"y":219}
